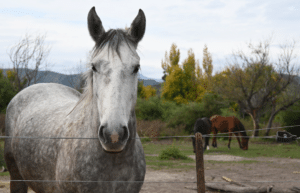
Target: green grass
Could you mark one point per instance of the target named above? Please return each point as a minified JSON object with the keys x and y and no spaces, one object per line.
{"x":4,"y":174}
{"x":258,"y":148}
{"x":185,"y":148}
{"x":155,"y":163}
{"x":234,"y":162}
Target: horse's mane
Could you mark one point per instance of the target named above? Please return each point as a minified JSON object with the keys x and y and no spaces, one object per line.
{"x":113,"y":38}
{"x":214,"y":116}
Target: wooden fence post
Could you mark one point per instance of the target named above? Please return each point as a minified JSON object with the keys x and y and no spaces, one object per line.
{"x":199,"y":164}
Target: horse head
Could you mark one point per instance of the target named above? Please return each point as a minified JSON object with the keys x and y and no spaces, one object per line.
{"x":114,"y":70}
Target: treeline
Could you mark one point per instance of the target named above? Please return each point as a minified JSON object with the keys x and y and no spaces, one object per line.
{"x":249,"y":85}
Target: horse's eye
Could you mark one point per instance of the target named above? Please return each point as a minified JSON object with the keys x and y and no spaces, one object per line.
{"x":93,"y":68}
{"x":136,"y":69}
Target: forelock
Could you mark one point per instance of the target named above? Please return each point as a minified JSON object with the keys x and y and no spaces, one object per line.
{"x":113,"y":39}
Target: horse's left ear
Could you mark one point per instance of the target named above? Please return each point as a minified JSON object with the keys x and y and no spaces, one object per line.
{"x":95,"y":25}
{"x":138,"y":26}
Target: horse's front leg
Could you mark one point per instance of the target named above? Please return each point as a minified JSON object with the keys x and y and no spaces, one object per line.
{"x":214,"y":143}
{"x":238,"y":138}
{"x":206,"y":146}
{"x":229,"y":140}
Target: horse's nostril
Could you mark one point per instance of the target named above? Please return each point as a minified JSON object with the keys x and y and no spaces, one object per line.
{"x":125,"y":134}
{"x":101,"y":134}
{"x":119,"y":135}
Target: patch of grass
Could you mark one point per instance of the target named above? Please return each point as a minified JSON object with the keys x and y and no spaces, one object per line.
{"x":2,"y":162}
{"x":147,"y":139}
{"x":172,"y":153}
{"x":258,"y":148}
{"x":234,"y":162}
{"x":185,"y":147}
{"x":155,"y":163}
{"x":4,"y":174}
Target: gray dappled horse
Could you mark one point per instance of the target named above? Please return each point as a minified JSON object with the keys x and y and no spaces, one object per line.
{"x":202,"y":125}
{"x":104,"y":111}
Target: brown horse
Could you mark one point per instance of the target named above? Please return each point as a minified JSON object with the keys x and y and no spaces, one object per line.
{"x":229,"y":124}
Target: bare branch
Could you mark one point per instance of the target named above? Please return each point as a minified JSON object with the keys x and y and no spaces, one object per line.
{"x":27,"y":57}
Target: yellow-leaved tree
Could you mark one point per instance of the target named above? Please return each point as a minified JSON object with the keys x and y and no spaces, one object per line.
{"x":181,"y":84}
{"x":193,"y":90}
{"x":145,"y":92}
{"x":171,"y":60}
{"x":206,"y":80}
{"x":149,"y":91}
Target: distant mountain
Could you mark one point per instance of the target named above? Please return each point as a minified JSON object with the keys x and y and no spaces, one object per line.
{"x":50,"y":76}
{"x":146,"y":78}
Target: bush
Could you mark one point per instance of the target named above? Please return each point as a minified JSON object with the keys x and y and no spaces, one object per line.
{"x":171,"y":153}
{"x":7,"y":92}
{"x":186,"y":115}
{"x":146,"y":139}
{"x":168,"y":108}
{"x":149,"y":109}
{"x":212,"y":103}
{"x":2,"y":124}
{"x":292,"y":117}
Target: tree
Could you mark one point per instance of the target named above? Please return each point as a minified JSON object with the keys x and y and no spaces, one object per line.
{"x":75,"y":78}
{"x":182,"y":84}
{"x":7,"y":92}
{"x":141,"y":88}
{"x":193,"y":89}
{"x":149,"y":91}
{"x":171,"y":60}
{"x":173,"y":87}
{"x":292,"y":117}
{"x":208,"y":68}
{"x":28,"y":56}
{"x":254,"y":82}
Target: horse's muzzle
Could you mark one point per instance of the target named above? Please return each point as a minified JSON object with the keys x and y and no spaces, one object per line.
{"x":113,"y":140}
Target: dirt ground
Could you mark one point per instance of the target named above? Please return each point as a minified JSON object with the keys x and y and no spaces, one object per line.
{"x":266,"y":169}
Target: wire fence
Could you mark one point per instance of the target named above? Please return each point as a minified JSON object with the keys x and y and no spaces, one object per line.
{"x":207,"y":135}
{"x":192,"y":182}
{"x":161,"y":137}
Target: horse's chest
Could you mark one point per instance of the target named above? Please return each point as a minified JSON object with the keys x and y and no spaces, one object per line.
{"x":91,"y":166}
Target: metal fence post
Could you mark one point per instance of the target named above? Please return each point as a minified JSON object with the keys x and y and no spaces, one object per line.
{"x":199,"y":164}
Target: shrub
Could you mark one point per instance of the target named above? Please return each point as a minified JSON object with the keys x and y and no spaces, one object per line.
{"x":146,"y":139}
{"x":7,"y":92}
{"x":292,"y":117}
{"x":186,"y":115}
{"x":171,"y":152}
{"x":149,"y":109}
{"x":2,"y":124}
{"x":168,"y":108}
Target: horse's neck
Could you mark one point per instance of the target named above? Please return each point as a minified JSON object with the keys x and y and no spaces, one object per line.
{"x":85,"y":115}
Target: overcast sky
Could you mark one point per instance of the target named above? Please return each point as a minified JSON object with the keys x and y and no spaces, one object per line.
{"x":223,"y":25}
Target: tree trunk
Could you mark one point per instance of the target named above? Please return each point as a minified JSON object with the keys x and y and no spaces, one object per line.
{"x":255,"y":117}
{"x":270,"y":123}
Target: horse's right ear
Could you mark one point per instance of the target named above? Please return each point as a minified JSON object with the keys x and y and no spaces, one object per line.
{"x":95,"y":25}
{"x":138,"y":26}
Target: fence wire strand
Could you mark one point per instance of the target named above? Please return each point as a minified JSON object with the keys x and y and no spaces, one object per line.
{"x":161,"y":137}
{"x":77,"y":181}
{"x":207,"y":135}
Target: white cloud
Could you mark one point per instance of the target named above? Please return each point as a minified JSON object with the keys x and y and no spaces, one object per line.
{"x":222,"y":25}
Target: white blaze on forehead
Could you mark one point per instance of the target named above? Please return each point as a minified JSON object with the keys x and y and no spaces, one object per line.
{"x":116,"y":89}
